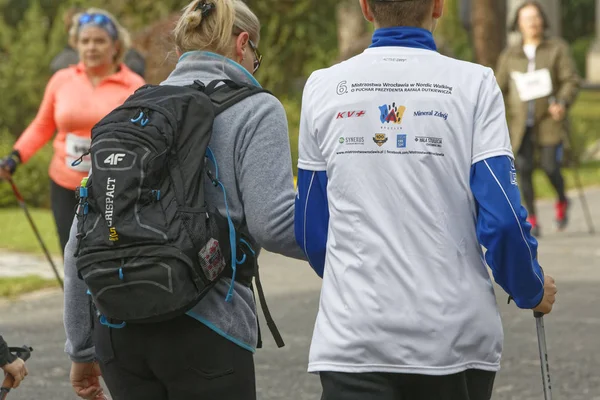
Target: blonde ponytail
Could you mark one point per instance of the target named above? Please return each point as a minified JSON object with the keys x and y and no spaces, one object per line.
{"x":213,"y":31}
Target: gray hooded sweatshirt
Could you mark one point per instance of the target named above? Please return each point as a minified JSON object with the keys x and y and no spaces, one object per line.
{"x":251,"y":145}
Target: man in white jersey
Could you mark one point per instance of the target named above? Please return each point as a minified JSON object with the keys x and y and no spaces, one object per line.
{"x":405,"y":171}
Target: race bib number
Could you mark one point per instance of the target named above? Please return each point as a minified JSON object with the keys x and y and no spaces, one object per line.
{"x":77,"y":146}
{"x":533,"y":85}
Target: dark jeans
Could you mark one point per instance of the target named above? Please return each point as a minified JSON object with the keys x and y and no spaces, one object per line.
{"x":550,"y":164}
{"x":467,"y":385}
{"x":181,"y":359}
{"x":63,"y":203}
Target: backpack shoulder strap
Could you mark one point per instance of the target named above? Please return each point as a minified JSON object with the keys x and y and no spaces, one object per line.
{"x":144,"y":87}
{"x":230,"y":93}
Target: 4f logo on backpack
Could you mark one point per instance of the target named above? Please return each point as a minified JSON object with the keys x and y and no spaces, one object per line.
{"x":115,"y":158}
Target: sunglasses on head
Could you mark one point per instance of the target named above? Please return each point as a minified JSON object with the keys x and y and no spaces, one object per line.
{"x":99,"y":20}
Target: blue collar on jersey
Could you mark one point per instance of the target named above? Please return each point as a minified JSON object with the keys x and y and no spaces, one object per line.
{"x":404,"y":36}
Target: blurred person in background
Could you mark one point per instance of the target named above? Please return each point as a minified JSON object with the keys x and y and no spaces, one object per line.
{"x":70,"y":56}
{"x":75,"y":99}
{"x":539,"y":82}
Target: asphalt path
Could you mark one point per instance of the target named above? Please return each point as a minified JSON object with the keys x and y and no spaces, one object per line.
{"x":292,"y":289}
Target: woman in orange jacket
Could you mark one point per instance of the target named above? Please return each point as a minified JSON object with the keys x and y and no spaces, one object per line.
{"x":75,"y":99}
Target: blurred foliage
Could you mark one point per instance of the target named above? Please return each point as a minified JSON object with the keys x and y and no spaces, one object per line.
{"x":585,"y":121}
{"x":580,"y":49}
{"x":31,"y":179}
{"x":451,"y":34}
{"x":578,"y":19}
{"x":26,"y":53}
{"x":296,"y":40}
{"x":298,"y":37}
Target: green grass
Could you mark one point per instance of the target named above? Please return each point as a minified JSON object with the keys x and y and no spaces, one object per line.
{"x":585,"y":119}
{"x":588,"y":173}
{"x":17,"y":234}
{"x":12,"y":287}
{"x":587,"y":105}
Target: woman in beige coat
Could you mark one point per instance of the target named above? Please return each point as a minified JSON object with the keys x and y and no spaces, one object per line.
{"x":539,"y":127}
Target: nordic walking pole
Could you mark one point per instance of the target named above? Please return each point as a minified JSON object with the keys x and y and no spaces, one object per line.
{"x":35,"y":230}
{"x":584,"y":204}
{"x":541,"y":333}
{"x":574,"y":163}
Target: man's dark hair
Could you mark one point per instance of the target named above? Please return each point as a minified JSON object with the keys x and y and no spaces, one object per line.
{"x":530,"y":3}
{"x":390,"y":13}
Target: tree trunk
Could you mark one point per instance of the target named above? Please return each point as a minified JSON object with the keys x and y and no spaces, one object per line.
{"x":156,"y":44}
{"x":353,"y":36}
{"x":488,"y":19}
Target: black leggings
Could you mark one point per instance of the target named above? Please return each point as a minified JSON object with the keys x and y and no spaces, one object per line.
{"x":550,"y":164}
{"x":180,"y":359}
{"x":467,"y":385}
{"x":63,"y":203}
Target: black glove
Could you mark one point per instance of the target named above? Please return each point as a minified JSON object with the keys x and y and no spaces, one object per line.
{"x":11,"y":162}
{"x":5,"y":356}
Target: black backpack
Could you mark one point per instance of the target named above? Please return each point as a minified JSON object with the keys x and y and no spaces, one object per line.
{"x":149,"y":247}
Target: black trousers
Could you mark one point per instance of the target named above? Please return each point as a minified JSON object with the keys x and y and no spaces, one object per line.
{"x":180,"y":359}
{"x":550,"y":164}
{"x":63,"y":204}
{"x":467,"y":385}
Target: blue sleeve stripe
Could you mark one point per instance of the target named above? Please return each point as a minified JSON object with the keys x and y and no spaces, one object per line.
{"x":312,"y":179}
{"x":517,"y":219}
{"x":311,"y":220}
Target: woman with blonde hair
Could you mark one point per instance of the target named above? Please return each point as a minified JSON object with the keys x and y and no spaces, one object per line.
{"x":206,"y":353}
{"x":76,"y":98}
{"x":70,"y":56}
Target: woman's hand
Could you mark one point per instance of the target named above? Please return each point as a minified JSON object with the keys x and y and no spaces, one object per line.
{"x":85,"y":379}
{"x":557,"y":111}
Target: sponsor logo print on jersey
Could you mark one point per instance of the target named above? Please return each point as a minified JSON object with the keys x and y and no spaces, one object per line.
{"x":429,"y":141}
{"x":391,"y":114}
{"x":432,"y":113}
{"x":352,"y":140}
{"x":350,"y":114}
{"x":380,"y":139}
{"x":401,"y":141}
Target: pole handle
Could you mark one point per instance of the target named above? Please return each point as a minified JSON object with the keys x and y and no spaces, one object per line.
{"x":23,"y":353}
{"x":538,"y":314}
{"x":8,"y":382}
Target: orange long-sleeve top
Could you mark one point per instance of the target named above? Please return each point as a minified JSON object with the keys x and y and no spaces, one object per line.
{"x":72,"y":106}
